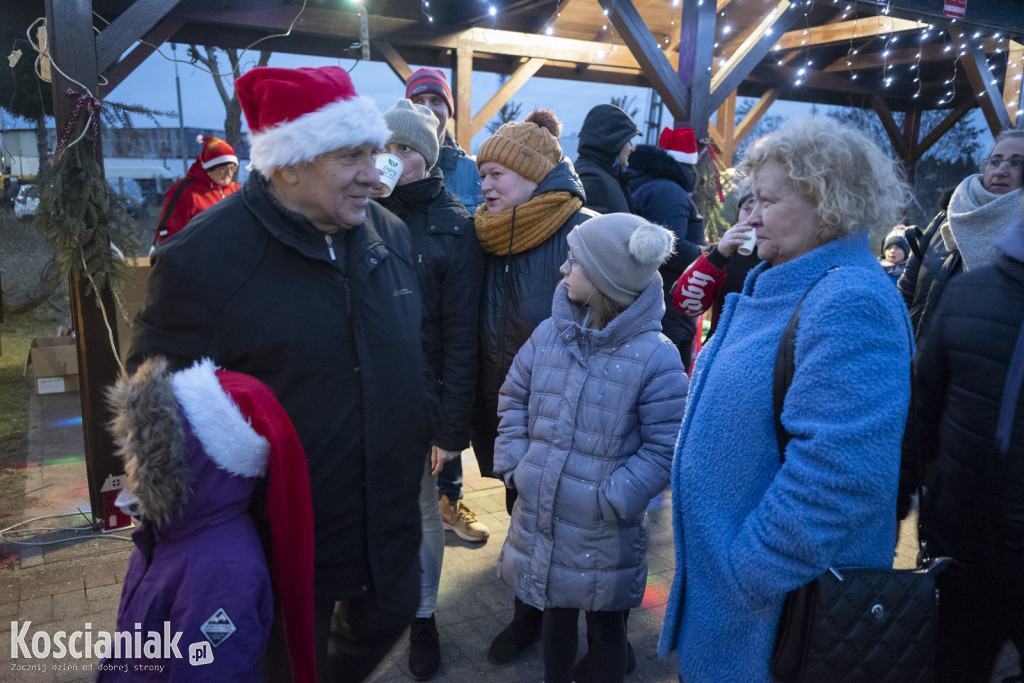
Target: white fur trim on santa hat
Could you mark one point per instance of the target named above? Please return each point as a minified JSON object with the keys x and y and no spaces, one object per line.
{"x":226,"y":435}
{"x":683,"y":157}
{"x":222,"y":159}
{"x":344,"y":123}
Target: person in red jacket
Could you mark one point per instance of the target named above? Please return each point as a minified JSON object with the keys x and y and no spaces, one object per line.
{"x":209,"y":180}
{"x":717,"y":272}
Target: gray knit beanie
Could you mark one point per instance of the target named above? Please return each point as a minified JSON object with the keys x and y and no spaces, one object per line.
{"x":620,"y":253}
{"x":414,"y":126}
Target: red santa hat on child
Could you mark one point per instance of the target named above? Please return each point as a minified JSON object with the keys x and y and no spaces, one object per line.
{"x":680,"y":143}
{"x":295,"y":115}
{"x":215,"y":152}
{"x":244,"y":431}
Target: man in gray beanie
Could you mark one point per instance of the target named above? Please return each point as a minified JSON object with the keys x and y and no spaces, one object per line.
{"x":450,"y":268}
{"x":412,"y":135}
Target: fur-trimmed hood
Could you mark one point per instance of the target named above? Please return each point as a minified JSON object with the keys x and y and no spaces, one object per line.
{"x":648,"y":162}
{"x":189,"y":454}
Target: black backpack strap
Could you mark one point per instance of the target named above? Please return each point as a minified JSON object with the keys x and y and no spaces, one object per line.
{"x":161,"y":228}
{"x":785,"y":367}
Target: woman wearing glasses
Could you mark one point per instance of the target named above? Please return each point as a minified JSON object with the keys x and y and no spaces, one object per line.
{"x":963,"y":237}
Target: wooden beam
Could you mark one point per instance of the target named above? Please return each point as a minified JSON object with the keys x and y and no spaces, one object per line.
{"x":726,"y":127}
{"x":516,"y":81}
{"x":463,"y":78}
{"x":875,"y":60}
{"x":649,"y":56}
{"x":985,"y":88}
{"x":546,"y":47}
{"x":696,"y":52}
{"x":941,"y":129}
{"x":845,"y":31}
{"x":1013,"y":82}
{"x":751,"y":52}
{"x":912,"y":128}
{"x":754,"y":115}
{"x":812,"y":79}
{"x":337,"y":24}
{"x":71,"y":42}
{"x":891,"y":129}
{"x":140,"y":18}
{"x":393,"y":59}
{"x":147,"y":46}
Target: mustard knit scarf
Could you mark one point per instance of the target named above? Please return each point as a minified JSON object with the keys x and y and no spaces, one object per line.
{"x":535,"y":221}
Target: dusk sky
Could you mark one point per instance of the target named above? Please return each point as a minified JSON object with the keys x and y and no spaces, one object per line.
{"x":153,"y":85}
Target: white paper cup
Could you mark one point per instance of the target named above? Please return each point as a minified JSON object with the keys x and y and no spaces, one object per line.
{"x":747,"y":248}
{"x":390,"y":169}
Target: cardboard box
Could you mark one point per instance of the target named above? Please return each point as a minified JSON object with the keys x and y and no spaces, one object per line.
{"x":134,"y":300}
{"x":54,"y":362}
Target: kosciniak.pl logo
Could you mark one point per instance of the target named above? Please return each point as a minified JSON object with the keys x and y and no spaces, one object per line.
{"x":89,"y":644}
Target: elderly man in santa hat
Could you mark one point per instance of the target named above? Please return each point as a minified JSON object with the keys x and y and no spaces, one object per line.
{"x":301,"y":281}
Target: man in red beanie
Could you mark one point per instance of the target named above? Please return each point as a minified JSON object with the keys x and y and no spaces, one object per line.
{"x":301,"y":281}
{"x":209,"y":180}
{"x":429,"y":87}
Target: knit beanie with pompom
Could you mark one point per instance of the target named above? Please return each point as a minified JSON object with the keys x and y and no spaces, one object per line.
{"x":530,"y":148}
{"x":620,"y":253}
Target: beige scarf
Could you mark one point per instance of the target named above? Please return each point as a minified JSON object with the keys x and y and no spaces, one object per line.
{"x":535,"y":221}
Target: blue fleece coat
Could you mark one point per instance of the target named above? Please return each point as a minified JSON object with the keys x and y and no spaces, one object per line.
{"x":748,"y":531}
{"x":588,"y":422}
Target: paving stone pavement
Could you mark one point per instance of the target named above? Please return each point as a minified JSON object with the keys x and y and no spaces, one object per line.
{"x":70,"y":584}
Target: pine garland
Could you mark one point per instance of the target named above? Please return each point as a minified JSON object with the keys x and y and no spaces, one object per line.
{"x":706,"y":197}
{"x":82,"y":217}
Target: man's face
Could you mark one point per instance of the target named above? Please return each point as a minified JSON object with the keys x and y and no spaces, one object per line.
{"x":436,"y":104}
{"x":333,"y":190}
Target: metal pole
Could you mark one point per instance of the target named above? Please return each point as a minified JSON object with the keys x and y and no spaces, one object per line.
{"x":181,"y":120}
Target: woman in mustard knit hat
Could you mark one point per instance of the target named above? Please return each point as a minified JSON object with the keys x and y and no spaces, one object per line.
{"x":532,"y":200}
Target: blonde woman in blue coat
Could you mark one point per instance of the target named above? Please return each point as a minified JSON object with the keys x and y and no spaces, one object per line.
{"x":748,"y":530}
{"x":589,"y":417}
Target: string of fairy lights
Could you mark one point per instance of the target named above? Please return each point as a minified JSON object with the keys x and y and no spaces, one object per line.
{"x":921,"y":36}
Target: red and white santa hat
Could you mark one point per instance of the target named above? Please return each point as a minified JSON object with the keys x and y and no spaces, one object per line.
{"x":295,"y":115}
{"x":680,"y":143}
{"x":243,"y":430}
{"x":215,"y":152}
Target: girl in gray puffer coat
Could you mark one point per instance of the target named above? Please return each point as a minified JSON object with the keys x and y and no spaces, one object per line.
{"x":589,"y":414}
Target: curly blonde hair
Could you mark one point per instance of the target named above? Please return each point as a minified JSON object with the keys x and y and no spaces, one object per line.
{"x":853,"y":184}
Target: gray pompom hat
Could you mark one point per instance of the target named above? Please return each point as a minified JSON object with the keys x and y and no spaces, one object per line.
{"x":620,"y":253}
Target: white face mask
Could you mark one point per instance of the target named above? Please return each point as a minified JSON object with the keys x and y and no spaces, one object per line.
{"x":129,"y":504}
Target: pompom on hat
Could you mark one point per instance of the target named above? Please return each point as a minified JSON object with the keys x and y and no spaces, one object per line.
{"x":295,"y":115}
{"x":680,"y":143}
{"x":530,"y":148}
{"x":204,"y":429}
{"x":430,"y":81}
{"x":414,"y":126}
{"x":215,"y":152}
{"x":620,"y":253}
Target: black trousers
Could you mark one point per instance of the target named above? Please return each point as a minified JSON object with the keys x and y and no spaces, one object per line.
{"x":977,"y":615}
{"x":351,"y":636}
{"x":606,"y":644}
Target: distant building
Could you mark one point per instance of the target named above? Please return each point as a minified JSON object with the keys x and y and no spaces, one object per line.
{"x":150,"y":156}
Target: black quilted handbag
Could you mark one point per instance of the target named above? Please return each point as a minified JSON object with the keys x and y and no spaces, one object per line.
{"x":852,"y":624}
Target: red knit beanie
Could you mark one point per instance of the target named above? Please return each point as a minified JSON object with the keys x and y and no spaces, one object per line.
{"x":430,"y":81}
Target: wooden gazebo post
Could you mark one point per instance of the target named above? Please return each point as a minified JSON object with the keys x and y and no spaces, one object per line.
{"x":73,"y":48}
